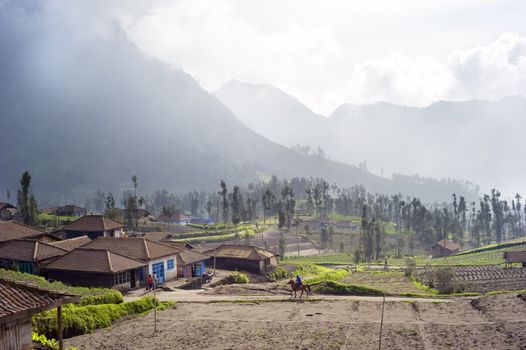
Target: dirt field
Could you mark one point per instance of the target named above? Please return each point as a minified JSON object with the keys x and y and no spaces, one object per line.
{"x":497,"y":322}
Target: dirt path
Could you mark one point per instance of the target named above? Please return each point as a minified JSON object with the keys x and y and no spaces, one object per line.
{"x":329,"y":324}
{"x":258,"y":293}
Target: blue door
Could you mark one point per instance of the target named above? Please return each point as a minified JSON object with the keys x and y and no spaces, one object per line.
{"x":158,"y":270}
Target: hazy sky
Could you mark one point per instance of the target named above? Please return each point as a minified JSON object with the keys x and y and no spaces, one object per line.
{"x":408,"y":52}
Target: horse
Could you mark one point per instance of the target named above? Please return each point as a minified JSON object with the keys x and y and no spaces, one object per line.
{"x":295,"y":287}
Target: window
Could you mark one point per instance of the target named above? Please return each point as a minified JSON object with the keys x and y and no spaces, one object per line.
{"x":170,"y":265}
{"x":26,"y":267}
{"x":123,"y":277}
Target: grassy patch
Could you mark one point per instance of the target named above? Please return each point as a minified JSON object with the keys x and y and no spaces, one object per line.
{"x":80,"y":320}
{"x":334,"y":275}
{"x":337,"y":288}
{"x":89,"y":296}
{"x":329,"y":259}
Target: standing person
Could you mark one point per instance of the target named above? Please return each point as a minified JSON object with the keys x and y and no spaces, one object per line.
{"x":150,"y":283}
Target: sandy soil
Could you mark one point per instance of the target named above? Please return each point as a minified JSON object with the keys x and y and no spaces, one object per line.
{"x":497,"y":322}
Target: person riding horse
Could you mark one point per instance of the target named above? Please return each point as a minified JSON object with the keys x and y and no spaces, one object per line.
{"x":297,"y":284}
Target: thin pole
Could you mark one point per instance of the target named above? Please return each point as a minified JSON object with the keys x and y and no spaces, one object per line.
{"x":59,"y":328}
{"x":215,"y":254}
{"x":154,"y":310}
{"x":381,"y":325}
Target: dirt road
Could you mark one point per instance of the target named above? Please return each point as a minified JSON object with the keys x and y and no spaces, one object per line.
{"x":497,"y":322}
{"x":254,"y":292}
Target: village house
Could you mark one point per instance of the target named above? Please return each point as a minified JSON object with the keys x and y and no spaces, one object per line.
{"x":70,"y":210}
{"x":160,"y":259}
{"x":96,"y":268}
{"x":518,"y":256}
{"x":242,"y":257}
{"x":7,"y":211}
{"x":443,"y":248}
{"x":175,"y":218}
{"x":11,"y":230}
{"x":93,"y":226}
{"x":26,"y":255}
{"x":19,"y":301}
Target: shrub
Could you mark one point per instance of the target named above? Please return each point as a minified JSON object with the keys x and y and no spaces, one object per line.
{"x":278,"y":274}
{"x":110,"y":296}
{"x":80,"y":320}
{"x":444,"y":281}
{"x":238,"y":278}
{"x":410,"y":267}
{"x":333,"y":287}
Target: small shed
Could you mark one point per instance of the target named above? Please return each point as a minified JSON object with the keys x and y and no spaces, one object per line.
{"x":190,"y":263}
{"x":518,"y":256}
{"x":242,"y":257}
{"x":18,"y":302}
{"x":7,"y":211}
{"x":443,"y":248}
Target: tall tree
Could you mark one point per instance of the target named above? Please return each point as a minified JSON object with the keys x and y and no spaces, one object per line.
{"x":223,"y":193}
{"x":26,"y":201}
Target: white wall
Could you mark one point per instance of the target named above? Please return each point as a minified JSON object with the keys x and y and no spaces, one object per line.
{"x":168,"y":275}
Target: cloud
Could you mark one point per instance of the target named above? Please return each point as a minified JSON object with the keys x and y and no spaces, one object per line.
{"x":485,"y":72}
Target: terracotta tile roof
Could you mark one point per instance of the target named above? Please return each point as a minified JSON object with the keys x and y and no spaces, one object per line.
{"x":92,"y":223}
{"x":189,"y":256}
{"x":447,"y":244}
{"x":18,"y":300}
{"x":241,"y":252}
{"x":12,"y":230}
{"x":94,"y":260}
{"x":136,"y":248}
{"x":72,"y":243}
{"x":29,"y":250}
{"x":517,"y":256}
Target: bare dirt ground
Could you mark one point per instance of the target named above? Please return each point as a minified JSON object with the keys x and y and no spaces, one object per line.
{"x":496,"y":322}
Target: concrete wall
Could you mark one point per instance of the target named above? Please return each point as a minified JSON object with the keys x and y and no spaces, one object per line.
{"x":168,"y":275}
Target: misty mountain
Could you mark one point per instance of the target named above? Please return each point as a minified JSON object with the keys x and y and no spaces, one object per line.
{"x":475,"y":140}
{"x":84,"y":112}
{"x":272,"y":113}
